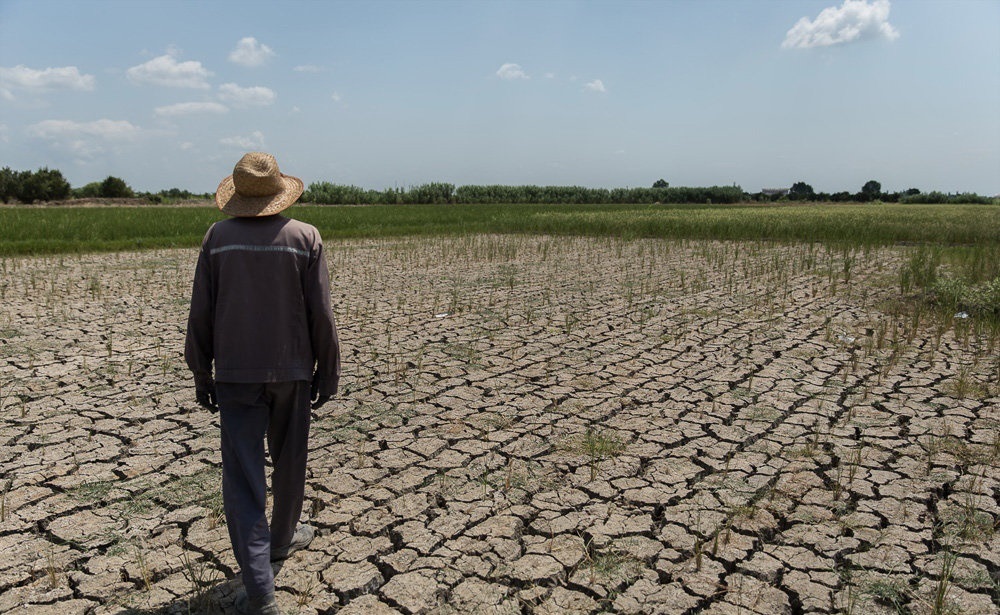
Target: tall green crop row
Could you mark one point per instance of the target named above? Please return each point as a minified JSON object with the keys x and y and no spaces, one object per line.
{"x":438,"y":193}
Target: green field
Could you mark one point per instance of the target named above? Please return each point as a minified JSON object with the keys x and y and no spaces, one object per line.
{"x":52,"y":230}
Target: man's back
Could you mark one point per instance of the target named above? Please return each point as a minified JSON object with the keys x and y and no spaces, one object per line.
{"x":260,"y":306}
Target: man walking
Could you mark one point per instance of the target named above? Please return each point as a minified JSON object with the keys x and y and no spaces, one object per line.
{"x":260,"y":311}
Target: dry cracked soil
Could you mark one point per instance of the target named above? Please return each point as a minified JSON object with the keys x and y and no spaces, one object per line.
{"x":526,"y":425}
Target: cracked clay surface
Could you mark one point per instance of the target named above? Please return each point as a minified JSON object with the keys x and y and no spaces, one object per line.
{"x":526,"y":425}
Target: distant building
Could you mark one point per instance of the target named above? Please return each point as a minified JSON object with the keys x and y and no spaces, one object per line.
{"x":774,"y":191}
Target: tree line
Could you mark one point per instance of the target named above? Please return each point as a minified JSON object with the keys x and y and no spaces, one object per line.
{"x":49,"y":185}
{"x":660,"y":192}
{"x":870,"y":191}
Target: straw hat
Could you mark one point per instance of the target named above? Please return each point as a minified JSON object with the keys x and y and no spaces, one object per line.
{"x":257,"y":188}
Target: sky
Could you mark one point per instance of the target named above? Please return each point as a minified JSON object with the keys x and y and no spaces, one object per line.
{"x":380,"y":94}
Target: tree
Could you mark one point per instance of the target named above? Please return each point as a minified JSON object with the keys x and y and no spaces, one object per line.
{"x":9,"y":184}
{"x":88,"y":191}
{"x":661,"y":183}
{"x":115,"y":188}
{"x":42,"y":185}
{"x":871,"y":190}
{"x":801,"y":191}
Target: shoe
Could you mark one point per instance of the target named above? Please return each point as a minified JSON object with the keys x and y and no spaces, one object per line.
{"x":304,"y":534}
{"x":264,"y":605}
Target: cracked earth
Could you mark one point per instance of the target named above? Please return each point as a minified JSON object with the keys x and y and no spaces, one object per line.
{"x":526,"y":425}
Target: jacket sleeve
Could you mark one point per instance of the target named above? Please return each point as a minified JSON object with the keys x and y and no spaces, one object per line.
{"x":198,"y":345}
{"x":322,"y":327}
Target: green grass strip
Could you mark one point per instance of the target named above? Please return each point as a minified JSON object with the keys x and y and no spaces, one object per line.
{"x":52,"y":230}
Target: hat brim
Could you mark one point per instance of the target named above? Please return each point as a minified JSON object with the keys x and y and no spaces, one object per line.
{"x":235,"y":204}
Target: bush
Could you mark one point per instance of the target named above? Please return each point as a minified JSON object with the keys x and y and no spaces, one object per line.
{"x":115,"y":188}
{"x":926,"y":198}
{"x":89,"y":191}
{"x":955,"y":294}
{"x":173,"y":195}
{"x":941,"y":198}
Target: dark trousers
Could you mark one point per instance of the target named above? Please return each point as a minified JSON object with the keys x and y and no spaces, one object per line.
{"x":249,"y":412}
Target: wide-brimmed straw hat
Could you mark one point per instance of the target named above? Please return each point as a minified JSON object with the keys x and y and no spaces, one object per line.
{"x":257,"y":188}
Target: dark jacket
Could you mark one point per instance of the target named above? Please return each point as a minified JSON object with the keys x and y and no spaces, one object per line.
{"x":260,"y":305}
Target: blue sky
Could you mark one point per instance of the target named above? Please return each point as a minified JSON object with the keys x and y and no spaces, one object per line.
{"x":379,"y":94}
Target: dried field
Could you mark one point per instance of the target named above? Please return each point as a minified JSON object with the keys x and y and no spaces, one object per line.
{"x":527,"y":425}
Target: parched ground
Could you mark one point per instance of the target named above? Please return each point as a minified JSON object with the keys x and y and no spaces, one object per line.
{"x":527,"y":425}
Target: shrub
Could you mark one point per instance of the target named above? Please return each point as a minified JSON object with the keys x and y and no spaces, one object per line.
{"x":115,"y":188}
{"x":955,"y":294}
{"x":931,"y":198}
{"x":172,"y":195}
{"x":89,"y":191}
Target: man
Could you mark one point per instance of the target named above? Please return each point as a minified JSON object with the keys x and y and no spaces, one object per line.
{"x":260,"y":310}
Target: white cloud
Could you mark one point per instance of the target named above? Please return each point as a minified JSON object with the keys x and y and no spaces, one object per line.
{"x":109,"y":130}
{"x":255,"y":96}
{"x":23,"y":78}
{"x":595,"y":86}
{"x":253,"y":142}
{"x":511,"y":71}
{"x":249,"y":52}
{"x":85,"y":140}
{"x":855,"y":20}
{"x":335,"y":97}
{"x":167,"y":71}
{"x":83,"y":150}
{"x":308,"y":68}
{"x":190,"y":108}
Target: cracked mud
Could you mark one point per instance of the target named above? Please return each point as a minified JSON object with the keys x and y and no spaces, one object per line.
{"x":526,"y":425}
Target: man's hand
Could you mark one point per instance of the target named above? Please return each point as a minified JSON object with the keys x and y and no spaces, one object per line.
{"x":317,"y":399}
{"x":205,"y":394}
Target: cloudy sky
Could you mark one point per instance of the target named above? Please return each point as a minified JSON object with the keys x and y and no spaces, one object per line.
{"x":379,"y":94}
